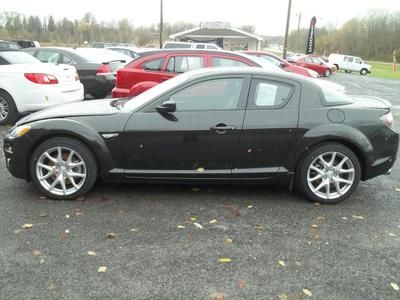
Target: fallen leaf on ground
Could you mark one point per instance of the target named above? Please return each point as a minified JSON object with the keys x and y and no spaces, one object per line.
{"x":44,"y":215}
{"x":228,"y":241}
{"x":392,"y":234}
{"x":314,"y":226}
{"x":344,"y":218}
{"x":321,"y":218}
{"x":79,"y":213}
{"x":317,"y":204}
{"x":193,"y":219}
{"x":250,"y":206}
{"x":67,"y":231}
{"x":181,"y":227}
{"x":67,"y":216}
{"x":218,"y":296}
{"x":298,"y":263}
{"x":307,"y":292}
{"x":81,"y":199}
{"x":398,"y":190}
{"x":51,"y":287}
{"x":282,"y":263}
{"x":27,"y":226}
{"x":17,"y":231}
{"x":102,"y":269}
{"x":195,"y":189}
{"x":101,"y":199}
{"x":36,"y":253}
{"x":242,"y":284}
{"x":111,"y":235}
{"x":213,"y":222}
{"x":358,"y":217}
{"x":394,"y":286}
{"x":259,"y":227}
{"x":198,"y":225}
{"x":282,"y":297}
{"x":237,"y":213}
{"x":224,"y":260}
{"x":91,"y":253}
{"x":134,"y":230}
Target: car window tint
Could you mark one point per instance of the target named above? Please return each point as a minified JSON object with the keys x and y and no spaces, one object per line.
{"x":153,"y":65}
{"x":48,"y":56}
{"x":182,"y":64}
{"x":333,"y":97}
{"x":269,"y":94}
{"x":66,"y":60}
{"x":212,"y":47}
{"x":227,"y":62}
{"x":217,"y":94}
{"x":3,"y":61}
{"x":358,"y":61}
{"x":351,"y":59}
{"x":200,"y":46}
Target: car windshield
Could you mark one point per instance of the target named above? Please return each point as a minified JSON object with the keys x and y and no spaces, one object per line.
{"x":17,"y":57}
{"x":101,"y":55}
{"x":152,"y":93}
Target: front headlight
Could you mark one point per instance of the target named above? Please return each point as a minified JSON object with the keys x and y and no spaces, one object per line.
{"x":19,"y":131}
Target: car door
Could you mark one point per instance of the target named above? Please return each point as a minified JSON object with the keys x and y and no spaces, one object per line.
{"x":198,"y":140}
{"x":269,"y":128}
{"x":181,"y":63}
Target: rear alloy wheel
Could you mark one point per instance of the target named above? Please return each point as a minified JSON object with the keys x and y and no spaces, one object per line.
{"x":8,"y":111}
{"x":327,"y":73}
{"x":63,"y":168}
{"x":364,"y":72}
{"x":330,"y":174}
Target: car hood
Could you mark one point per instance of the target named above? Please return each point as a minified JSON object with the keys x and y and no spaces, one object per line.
{"x":77,"y":109}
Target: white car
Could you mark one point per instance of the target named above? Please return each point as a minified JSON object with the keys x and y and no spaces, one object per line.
{"x":349,"y":63}
{"x":27,"y":85}
{"x":187,"y":45}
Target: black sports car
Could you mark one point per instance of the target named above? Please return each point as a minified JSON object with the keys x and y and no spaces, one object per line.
{"x":229,"y":125}
{"x":96,"y":68}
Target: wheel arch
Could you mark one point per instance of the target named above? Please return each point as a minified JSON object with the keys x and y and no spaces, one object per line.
{"x":12,"y":97}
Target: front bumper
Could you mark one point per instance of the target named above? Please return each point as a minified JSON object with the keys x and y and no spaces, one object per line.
{"x":17,"y":153}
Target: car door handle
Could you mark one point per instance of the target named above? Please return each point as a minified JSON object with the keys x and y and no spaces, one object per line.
{"x":222,"y":128}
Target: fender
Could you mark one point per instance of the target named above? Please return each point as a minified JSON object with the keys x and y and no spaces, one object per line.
{"x":16,"y":102}
{"x":45,"y":129}
{"x":307,"y":139}
{"x":141,"y":87}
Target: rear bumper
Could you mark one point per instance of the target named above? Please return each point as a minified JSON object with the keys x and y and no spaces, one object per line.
{"x":99,"y":85}
{"x":46,"y":96}
{"x":386,"y":144}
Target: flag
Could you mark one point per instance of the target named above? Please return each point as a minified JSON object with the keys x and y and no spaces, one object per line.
{"x":311,"y":37}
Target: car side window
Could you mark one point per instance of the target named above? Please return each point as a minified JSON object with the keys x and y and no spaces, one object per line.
{"x":3,"y":61}
{"x":358,"y":61}
{"x":48,"y":56}
{"x":269,"y":94}
{"x":66,"y":60}
{"x":181,"y":64}
{"x":153,"y":65}
{"x":216,"y":94}
{"x":200,"y":46}
{"x":227,"y":62}
{"x":351,"y":59}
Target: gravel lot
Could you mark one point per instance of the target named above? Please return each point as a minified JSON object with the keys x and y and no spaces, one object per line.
{"x":280,"y":245}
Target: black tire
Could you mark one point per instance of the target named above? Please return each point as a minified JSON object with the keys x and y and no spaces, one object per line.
{"x":337,"y":67}
{"x":348,"y":71}
{"x":7,"y":102}
{"x":327,"y":73}
{"x":302,"y":176}
{"x":85,"y":153}
{"x":364,"y":72}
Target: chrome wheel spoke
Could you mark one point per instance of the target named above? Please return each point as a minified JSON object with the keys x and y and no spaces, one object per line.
{"x":337,"y":187}
{"x":76,"y":164}
{"x":346,"y":171}
{"x":319,"y":176}
{"x":314,"y":168}
{"x":75,"y":174}
{"x":332,"y":159}
{"x":46,"y":167}
{"x":69,"y":159}
{"x":47,"y":176}
{"x":341,"y":180}
{"x":52,"y":159}
{"x":328,"y":190}
{"x":55,"y":182}
{"x":59,"y":155}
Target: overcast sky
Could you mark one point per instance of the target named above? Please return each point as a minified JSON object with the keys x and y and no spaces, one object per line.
{"x":268,"y":16}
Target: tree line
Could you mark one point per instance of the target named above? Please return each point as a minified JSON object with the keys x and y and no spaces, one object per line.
{"x":373,"y":37}
{"x":65,"y":32}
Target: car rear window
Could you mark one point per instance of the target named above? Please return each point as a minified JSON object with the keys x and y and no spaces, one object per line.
{"x":17,"y":57}
{"x":333,"y":97}
{"x":96,"y":55}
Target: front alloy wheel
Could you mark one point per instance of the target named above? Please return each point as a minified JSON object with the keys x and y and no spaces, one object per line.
{"x":63,"y":168}
{"x":330,"y":174}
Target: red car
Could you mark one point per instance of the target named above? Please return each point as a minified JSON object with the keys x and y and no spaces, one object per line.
{"x":281,"y":63}
{"x":316,"y":64}
{"x":154,"y":67}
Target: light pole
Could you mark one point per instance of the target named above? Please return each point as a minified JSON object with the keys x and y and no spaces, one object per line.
{"x":285,"y":43}
{"x":161,"y":22}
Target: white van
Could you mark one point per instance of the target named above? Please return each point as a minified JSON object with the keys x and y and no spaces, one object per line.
{"x":183,"y":45}
{"x":349,"y":63}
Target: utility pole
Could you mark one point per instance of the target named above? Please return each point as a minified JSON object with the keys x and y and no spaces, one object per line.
{"x":285,"y":44}
{"x":161,"y":23}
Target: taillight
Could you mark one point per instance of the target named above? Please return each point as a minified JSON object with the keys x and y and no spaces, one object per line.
{"x":76,"y":76}
{"x":387,"y":119}
{"x":41,"y":78}
{"x":120,"y":75}
{"x":104,"y":69}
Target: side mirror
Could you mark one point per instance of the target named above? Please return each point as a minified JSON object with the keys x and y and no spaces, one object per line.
{"x":167,"y":107}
